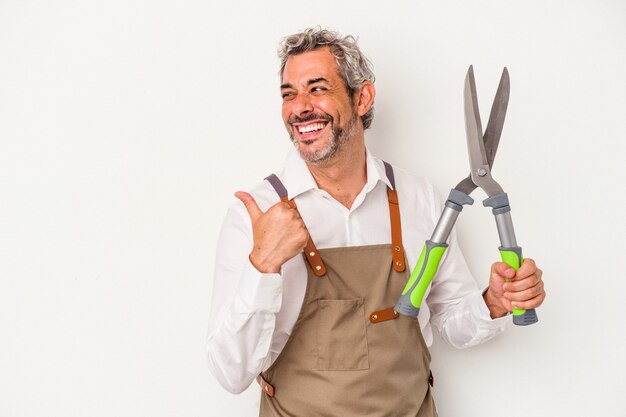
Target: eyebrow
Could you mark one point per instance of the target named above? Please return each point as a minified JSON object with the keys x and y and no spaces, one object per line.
{"x":316,"y":80}
{"x":311,"y":81}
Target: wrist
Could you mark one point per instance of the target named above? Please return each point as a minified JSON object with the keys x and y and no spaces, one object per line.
{"x":263,"y":266}
{"x":496,"y":310}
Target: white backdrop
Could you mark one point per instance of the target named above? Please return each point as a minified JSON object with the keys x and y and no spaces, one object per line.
{"x":126,"y":126}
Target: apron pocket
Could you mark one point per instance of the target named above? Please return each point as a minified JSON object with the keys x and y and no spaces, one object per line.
{"x":341,"y":335}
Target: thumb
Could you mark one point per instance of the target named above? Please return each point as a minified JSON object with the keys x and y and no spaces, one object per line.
{"x":503,"y":270}
{"x":253,"y":209}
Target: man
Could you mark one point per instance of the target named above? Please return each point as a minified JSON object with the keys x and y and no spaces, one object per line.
{"x":306,"y":325}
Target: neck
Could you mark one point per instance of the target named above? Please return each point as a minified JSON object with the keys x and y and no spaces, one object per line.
{"x":345,"y":175}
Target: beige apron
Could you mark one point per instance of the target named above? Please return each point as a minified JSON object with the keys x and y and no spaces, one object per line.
{"x":349,"y":353}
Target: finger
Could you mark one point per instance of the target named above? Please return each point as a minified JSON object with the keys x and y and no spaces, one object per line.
{"x":533,"y":303}
{"x":500,"y":269}
{"x":303,"y":237}
{"x":528,"y":268}
{"x":253,"y":209}
{"x":286,"y":211}
{"x":523,"y":283}
{"x":526,"y":294}
{"x":285,"y":207}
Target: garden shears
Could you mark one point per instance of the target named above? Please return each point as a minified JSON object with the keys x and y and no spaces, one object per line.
{"x":482,"y":151}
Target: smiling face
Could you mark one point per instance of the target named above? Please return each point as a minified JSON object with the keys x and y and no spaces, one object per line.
{"x":318,"y":112}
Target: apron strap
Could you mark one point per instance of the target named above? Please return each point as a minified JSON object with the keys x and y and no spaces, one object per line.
{"x":310,"y":251}
{"x":394,"y":216}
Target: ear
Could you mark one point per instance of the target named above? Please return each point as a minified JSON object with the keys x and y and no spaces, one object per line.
{"x":365,"y":97}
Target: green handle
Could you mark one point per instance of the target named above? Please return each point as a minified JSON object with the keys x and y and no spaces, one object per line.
{"x":423,"y":273}
{"x":513,"y":258}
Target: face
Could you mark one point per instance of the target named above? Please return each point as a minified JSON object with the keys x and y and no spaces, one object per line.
{"x":317,"y":109}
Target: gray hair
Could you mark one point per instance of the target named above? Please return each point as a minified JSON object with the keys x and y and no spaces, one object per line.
{"x":354,"y":67}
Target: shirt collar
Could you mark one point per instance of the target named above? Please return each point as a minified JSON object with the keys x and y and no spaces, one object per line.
{"x":298,"y":178}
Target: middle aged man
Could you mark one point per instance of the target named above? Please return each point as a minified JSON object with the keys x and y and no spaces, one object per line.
{"x":303,"y":322}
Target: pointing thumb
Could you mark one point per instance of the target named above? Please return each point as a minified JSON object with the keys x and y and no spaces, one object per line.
{"x":253,"y":209}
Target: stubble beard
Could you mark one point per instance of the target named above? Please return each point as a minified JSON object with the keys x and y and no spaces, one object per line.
{"x":339,"y":137}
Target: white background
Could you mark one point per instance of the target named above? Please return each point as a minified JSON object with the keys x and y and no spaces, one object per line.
{"x":126,"y":126}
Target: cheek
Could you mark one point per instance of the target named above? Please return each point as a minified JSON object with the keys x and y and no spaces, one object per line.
{"x":286,"y":113}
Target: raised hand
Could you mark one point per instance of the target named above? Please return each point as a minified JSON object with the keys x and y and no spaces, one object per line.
{"x":279,"y":234}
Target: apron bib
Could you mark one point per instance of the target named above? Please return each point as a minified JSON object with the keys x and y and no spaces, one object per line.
{"x":349,"y":354}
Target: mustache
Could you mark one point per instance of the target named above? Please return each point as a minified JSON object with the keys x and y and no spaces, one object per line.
{"x":311,"y":117}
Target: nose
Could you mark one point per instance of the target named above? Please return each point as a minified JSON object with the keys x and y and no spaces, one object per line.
{"x":302,"y":104}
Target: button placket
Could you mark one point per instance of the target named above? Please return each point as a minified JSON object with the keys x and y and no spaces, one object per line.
{"x":348,"y":229}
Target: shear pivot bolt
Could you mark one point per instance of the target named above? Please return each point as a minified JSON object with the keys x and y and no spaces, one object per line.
{"x":482,"y":172}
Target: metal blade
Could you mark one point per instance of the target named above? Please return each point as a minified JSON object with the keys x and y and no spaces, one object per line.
{"x":480,"y":170}
{"x":473,"y":127}
{"x":491,"y":139}
{"x":466,"y":186}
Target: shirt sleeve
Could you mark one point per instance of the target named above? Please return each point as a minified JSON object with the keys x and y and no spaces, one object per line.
{"x":456,"y":303}
{"x":243,"y":308}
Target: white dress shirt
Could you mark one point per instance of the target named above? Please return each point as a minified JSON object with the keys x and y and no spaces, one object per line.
{"x":253,"y":314}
